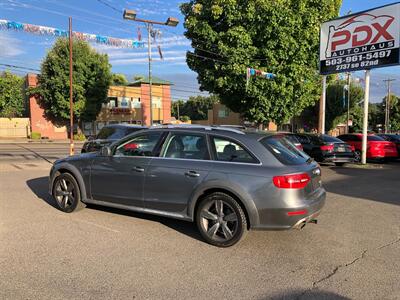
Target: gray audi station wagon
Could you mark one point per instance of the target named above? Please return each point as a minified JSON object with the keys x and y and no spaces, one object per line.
{"x":226,"y":180}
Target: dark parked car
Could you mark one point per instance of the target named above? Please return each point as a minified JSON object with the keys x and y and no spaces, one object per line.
{"x":293,"y":139}
{"x":377,"y":147}
{"x":225,"y":180}
{"x":327,"y":149}
{"x":394,"y":138}
{"x":109,"y":134}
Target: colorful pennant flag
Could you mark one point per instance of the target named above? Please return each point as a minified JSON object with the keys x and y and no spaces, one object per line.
{"x":43,"y":30}
{"x":258,"y":73}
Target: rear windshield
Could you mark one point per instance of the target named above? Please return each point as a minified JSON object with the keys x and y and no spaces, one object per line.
{"x":330,"y":139}
{"x":374,"y":138}
{"x":284,"y":150}
{"x":112,"y":133}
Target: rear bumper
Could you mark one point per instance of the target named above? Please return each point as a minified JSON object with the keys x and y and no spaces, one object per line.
{"x":334,"y":159}
{"x":278,"y":219}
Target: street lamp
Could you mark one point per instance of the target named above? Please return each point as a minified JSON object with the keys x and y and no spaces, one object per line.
{"x":130,"y":14}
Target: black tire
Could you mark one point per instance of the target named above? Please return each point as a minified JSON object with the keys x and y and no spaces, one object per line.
{"x":339,"y":164}
{"x":66,"y":193}
{"x":221,"y":229}
{"x":357,"y":156}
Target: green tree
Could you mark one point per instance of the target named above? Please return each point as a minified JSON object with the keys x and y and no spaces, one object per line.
{"x":196,"y":108}
{"x":118,"y":79}
{"x":11,"y":95}
{"x":336,"y":103}
{"x":279,"y":36}
{"x":91,"y":80}
{"x":394,"y":112}
{"x":376,"y":115}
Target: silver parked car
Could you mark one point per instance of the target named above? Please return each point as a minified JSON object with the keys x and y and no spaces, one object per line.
{"x":226,"y":180}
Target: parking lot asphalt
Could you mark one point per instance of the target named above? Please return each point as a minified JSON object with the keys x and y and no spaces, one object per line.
{"x":101,"y":253}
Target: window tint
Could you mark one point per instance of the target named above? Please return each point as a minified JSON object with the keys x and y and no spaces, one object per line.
{"x":186,"y":146}
{"x":227,"y":150}
{"x":303,"y":139}
{"x":284,"y":150}
{"x":105,"y":132}
{"x":142,"y":145}
{"x":343,"y":137}
{"x":292,"y":139}
{"x":374,"y":138}
{"x":330,"y":139}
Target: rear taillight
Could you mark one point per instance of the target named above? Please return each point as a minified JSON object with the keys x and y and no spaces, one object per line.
{"x":299,"y":146}
{"x":352,"y":148}
{"x":293,"y":181}
{"x":328,"y":148}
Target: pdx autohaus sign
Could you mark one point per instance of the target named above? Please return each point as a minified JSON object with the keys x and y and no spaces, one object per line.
{"x":361,"y":41}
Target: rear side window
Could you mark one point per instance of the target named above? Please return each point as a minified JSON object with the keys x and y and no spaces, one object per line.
{"x":284,"y":151}
{"x":187,"y":146}
{"x":227,"y":150}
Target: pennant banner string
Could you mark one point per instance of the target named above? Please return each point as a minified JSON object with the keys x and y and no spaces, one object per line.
{"x":258,"y":73}
{"x":43,"y":30}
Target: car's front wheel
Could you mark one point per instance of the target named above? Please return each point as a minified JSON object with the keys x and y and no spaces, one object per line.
{"x":221,"y":220}
{"x":66,"y":193}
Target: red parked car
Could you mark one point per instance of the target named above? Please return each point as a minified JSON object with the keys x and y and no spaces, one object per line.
{"x":377,"y":147}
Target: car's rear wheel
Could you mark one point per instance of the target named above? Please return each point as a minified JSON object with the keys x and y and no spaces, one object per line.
{"x":221,"y":220}
{"x":66,"y":193}
{"x":357,"y":156}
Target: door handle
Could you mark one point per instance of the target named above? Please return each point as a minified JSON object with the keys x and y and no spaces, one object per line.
{"x":138,"y":169}
{"x":192,"y":174}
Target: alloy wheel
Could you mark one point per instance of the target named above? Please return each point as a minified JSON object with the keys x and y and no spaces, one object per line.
{"x":219,"y":221}
{"x":357,"y":156}
{"x":65,"y":192}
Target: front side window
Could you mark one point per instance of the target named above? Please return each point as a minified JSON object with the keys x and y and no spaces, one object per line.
{"x":186,"y":146}
{"x":142,"y":145}
{"x":227,"y":150}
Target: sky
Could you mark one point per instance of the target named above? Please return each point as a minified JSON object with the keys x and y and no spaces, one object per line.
{"x":104,"y":17}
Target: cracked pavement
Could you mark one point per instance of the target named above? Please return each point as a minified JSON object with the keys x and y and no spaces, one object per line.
{"x":96,"y":253}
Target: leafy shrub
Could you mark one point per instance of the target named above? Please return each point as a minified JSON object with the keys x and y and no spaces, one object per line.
{"x":79,"y":137}
{"x":36,"y":135}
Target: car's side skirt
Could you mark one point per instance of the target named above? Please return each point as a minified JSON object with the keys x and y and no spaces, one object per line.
{"x":140,"y":209}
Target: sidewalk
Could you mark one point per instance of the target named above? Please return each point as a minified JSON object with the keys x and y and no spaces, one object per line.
{"x":42,"y":141}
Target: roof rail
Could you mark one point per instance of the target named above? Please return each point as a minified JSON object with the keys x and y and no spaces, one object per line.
{"x":195,"y":126}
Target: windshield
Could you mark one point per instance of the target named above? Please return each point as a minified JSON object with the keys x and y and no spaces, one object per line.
{"x":284,"y":150}
{"x":113,"y":133}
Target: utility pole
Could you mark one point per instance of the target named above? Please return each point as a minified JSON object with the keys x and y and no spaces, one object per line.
{"x":149,"y":25}
{"x":387,"y":104}
{"x":348,"y":101}
{"x":322,"y":107}
{"x":71,"y":103}
{"x":130,"y":14}
{"x":177,"y":102}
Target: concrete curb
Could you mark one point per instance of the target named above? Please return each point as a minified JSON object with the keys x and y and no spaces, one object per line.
{"x":28,"y":141}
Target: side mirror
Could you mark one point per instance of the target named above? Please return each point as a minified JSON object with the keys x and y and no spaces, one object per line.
{"x":105,"y":151}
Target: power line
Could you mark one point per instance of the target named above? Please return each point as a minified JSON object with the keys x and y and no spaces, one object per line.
{"x":18,"y":67}
{"x":110,"y":6}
